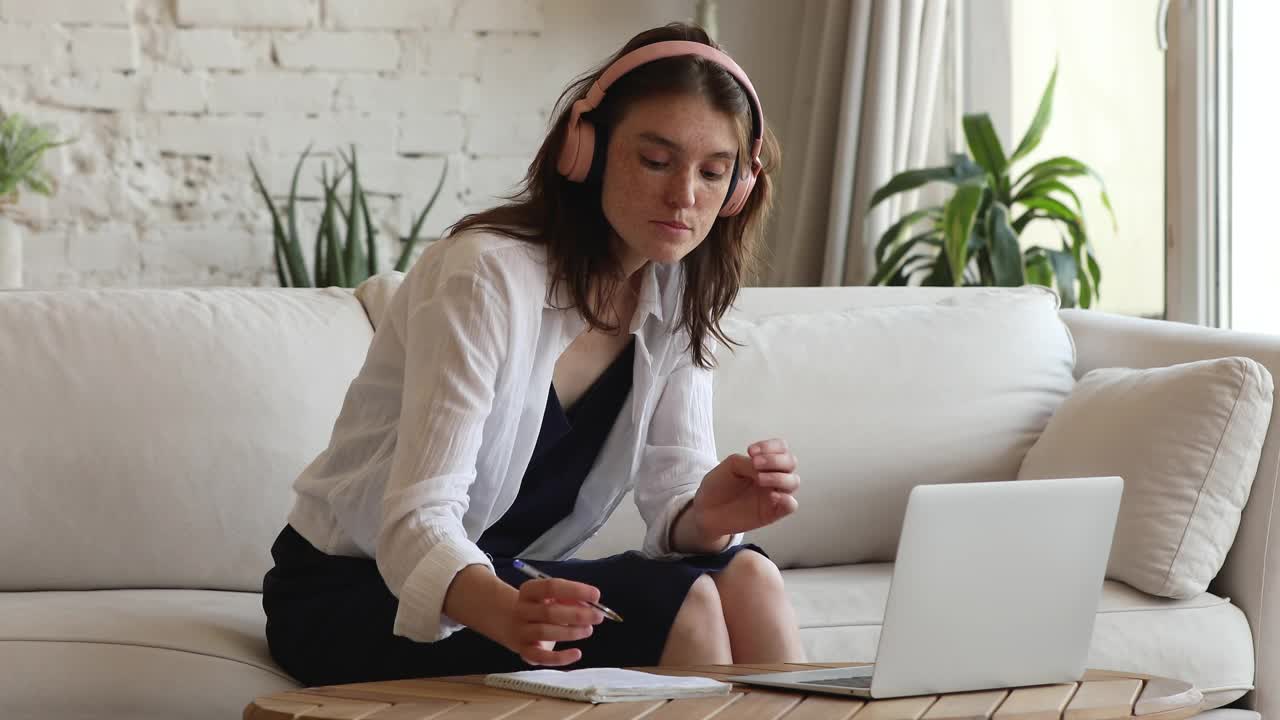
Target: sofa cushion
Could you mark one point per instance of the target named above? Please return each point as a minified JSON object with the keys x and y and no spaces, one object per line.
{"x":155,"y":434}
{"x":1204,"y":639}
{"x":134,"y":653}
{"x":876,"y":400}
{"x":1187,"y":440}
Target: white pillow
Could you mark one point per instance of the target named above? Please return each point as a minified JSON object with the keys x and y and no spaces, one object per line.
{"x":1186,"y":439}
{"x":876,"y":400}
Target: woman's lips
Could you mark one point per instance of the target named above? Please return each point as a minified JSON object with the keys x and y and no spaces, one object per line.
{"x":673,"y":227}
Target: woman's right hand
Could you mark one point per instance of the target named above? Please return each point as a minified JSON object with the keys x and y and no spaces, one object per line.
{"x":547,"y":612}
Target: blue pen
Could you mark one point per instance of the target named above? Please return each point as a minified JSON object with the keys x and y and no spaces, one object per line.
{"x":537,"y":574}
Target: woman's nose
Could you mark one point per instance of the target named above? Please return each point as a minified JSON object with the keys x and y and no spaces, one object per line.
{"x":681,"y":189}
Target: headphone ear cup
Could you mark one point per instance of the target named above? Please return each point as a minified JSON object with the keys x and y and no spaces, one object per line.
{"x":739,"y":191}
{"x":575,"y":155}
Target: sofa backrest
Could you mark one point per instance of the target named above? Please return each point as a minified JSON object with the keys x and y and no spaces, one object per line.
{"x":876,"y":390}
{"x":151,"y":436}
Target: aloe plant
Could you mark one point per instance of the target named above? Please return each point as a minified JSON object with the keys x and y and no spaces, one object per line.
{"x":972,"y":239}
{"x":22,"y":146}
{"x":345,"y":251}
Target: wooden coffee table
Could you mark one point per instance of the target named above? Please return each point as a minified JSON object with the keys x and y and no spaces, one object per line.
{"x":1103,"y":695}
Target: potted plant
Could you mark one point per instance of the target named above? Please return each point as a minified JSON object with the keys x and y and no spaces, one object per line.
{"x":22,"y":147}
{"x":345,"y":253}
{"x":972,"y":239}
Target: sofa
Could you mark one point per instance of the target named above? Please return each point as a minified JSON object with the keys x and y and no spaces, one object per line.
{"x":151,"y":436}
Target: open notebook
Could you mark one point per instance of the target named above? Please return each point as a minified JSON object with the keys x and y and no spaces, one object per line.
{"x":600,"y":685}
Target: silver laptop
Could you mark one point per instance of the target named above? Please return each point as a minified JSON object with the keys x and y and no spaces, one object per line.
{"x":995,"y":585}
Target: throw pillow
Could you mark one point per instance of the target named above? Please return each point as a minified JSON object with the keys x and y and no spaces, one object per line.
{"x":1187,"y":440}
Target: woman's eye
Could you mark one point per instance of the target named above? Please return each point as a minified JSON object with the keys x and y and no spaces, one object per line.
{"x":650,"y":162}
{"x":711,"y":175}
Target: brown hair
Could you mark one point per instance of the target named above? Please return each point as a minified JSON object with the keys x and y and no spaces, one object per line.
{"x":568,"y":219}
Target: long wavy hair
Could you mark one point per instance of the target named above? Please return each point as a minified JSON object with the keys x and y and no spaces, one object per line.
{"x":568,"y":217}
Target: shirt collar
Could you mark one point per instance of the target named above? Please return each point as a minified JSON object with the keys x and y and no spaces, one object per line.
{"x":656,"y":294}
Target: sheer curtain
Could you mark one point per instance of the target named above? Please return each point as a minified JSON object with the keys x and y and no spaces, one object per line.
{"x":861,"y":111}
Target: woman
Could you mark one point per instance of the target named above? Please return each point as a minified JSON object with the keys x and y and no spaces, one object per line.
{"x":546,"y":357}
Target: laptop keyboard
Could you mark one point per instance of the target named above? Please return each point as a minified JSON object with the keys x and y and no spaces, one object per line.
{"x":860,"y":681}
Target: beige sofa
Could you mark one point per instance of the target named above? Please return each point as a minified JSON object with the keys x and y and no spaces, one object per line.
{"x":150,"y":438}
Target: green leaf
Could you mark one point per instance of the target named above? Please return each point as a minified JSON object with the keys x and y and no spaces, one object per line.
{"x":961,"y":169}
{"x":958,"y":219}
{"x":297,"y":269}
{"x":354,"y":262}
{"x":293,"y":242}
{"x":899,"y":229}
{"x":1044,"y":188}
{"x":1063,"y":166}
{"x":1064,"y":270}
{"x":1006,"y":256}
{"x":412,"y":240}
{"x":1039,"y":270}
{"x":1051,"y":208}
{"x":896,"y":260}
{"x":333,"y":250}
{"x":1038,"y":124}
{"x":984,"y":144}
{"x":369,"y":236}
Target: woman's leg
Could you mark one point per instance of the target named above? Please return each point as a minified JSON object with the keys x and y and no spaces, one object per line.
{"x":698,"y":635}
{"x":759,"y":617}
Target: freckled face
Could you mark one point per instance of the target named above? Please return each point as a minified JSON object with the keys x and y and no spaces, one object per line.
{"x":666,"y":177}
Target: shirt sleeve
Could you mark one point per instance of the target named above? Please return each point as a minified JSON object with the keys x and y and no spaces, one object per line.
{"x":454,"y":341}
{"x":679,"y":449}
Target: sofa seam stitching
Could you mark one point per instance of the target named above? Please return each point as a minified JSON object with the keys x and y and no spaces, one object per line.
{"x":151,"y":646}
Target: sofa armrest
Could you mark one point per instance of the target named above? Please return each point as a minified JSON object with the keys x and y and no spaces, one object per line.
{"x":1251,"y":574}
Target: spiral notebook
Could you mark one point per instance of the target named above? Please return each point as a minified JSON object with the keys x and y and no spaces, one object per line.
{"x":602,"y":685}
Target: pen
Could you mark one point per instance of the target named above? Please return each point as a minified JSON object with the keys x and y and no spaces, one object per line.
{"x":537,"y":574}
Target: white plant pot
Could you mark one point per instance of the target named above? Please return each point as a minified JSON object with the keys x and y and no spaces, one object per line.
{"x":10,"y":255}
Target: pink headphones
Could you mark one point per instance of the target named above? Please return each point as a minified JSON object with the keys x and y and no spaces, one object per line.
{"x":580,"y":137}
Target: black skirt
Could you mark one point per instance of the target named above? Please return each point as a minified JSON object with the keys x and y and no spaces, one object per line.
{"x":329,"y":618}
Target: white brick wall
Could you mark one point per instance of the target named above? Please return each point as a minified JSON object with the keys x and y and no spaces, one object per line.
{"x":169,"y":98}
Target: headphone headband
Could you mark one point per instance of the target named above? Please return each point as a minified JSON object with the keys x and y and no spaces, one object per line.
{"x":677,"y":48}
{"x":578,"y":152}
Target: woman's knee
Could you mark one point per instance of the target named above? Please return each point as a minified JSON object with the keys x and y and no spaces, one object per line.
{"x":701,"y":619}
{"x":749,"y":570}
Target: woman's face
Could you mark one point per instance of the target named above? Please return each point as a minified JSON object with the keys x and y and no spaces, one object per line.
{"x":666,"y":177}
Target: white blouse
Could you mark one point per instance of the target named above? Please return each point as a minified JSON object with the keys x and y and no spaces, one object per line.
{"x":437,"y":429}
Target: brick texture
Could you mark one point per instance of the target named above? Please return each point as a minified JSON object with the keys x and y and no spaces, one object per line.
{"x":168,"y":99}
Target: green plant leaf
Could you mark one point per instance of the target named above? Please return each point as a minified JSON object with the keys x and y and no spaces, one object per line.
{"x":899,"y":258}
{"x":1006,"y":256}
{"x":409,"y":243}
{"x":1064,"y":270}
{"x":1039,"y":270}
{"x":333,"y":249}
{"x":1051,"y":208}
{"x":294,"y":244}
{"x":297,"y":269}
{"x":961,"y":170}
{"x":1038,"y":124}
{"x":370,"y":235}
{"x":958,"y":219}
{"x":899,"y":229}
{"x":355,"y":265}
{"x":984,"y":144}
{"x":1063,"y":166}
{"x":1045,"y":188}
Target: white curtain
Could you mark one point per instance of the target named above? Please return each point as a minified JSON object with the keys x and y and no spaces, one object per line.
{"x":860,"y":112}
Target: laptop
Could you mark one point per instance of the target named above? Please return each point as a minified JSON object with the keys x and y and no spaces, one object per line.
{"x":995,"y":585}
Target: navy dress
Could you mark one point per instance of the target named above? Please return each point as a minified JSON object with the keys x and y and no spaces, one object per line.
{"x":330,"y":618}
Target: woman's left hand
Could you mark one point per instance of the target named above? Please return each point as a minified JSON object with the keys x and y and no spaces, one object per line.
{"x":745,"y":492}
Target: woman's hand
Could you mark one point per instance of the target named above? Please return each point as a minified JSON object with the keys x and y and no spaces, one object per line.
{"x":547,"y":612}
{"x":749,"y":491}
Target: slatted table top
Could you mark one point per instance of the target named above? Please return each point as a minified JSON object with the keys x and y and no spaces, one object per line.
{"x":1102,"y":695}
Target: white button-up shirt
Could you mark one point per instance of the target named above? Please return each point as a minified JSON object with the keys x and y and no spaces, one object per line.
{"x":437,"y":429}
